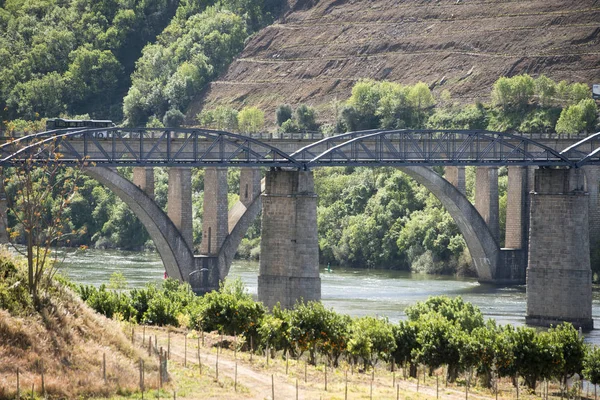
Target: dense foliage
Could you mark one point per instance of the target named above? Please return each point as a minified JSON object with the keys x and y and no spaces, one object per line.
{"x":79,"y":56}
{"x":439,"y":332}
{"x":72,"y":56}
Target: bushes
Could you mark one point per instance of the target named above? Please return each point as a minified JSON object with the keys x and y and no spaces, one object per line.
{"x":440,"y":331}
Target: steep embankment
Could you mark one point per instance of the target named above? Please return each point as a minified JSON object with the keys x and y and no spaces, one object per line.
{"x":318,"y":49}
{"x":63,"y":339}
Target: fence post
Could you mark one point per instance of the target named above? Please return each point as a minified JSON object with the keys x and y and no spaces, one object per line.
{"x":18,"y":386}
{"x":104,"y":367}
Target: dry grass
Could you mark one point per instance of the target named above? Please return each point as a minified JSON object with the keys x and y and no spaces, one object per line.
{"x":67,"y":340}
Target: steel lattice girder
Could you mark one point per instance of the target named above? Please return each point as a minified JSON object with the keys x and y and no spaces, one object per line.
{"x":200,"y":147}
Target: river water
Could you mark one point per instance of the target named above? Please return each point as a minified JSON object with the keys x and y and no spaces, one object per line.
{"x":350,"y":291}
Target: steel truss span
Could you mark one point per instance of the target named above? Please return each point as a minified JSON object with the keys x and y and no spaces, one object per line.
{"x":201,"y":147}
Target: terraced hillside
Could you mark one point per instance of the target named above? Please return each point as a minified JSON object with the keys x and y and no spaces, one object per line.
{"x":319,"y":49}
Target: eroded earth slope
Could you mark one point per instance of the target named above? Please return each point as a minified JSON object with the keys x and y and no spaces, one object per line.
{"x":317,"y":50}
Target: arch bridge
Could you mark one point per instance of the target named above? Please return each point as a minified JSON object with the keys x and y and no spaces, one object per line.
{"x":550,"y":179}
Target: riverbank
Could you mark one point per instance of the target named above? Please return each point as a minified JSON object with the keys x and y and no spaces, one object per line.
{"x":57,"y":348}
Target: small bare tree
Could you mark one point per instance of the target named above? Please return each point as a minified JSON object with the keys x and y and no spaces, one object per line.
{"x":39,"y":188}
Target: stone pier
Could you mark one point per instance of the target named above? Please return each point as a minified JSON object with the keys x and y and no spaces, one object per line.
{"x":215,"y":224}
{"x":143,"y":177}
{"x":289,"y":262}
{"x":4,"y":239}
{"x":179,"y":202}
{"x":516,"y":208}
{"x":456,"y":176}
{"x":486,"y":198}
{"x":559,"y":278}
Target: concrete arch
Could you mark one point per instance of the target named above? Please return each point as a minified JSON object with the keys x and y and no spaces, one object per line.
{"x":174,"y":251}
{"x":484,"y":249}
{"x":240,"y":219}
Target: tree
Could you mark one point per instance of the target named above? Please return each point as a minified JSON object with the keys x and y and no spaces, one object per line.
{"x":39,"y":191}
{"x":251,"y":120}
{"x":306,"y":118}
{"x":283,"y":113}
{"x":578,"y":118}
{"x":591,"y":365}
{"x":173,"y":118}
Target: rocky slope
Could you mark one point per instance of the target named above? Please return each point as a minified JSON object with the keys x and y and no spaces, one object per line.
{"x":317,"y":50}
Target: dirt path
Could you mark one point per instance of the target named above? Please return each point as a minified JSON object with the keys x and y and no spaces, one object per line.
{"x":254,"y":377}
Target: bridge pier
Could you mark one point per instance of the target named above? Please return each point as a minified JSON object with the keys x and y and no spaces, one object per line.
{"x":457,"y":177}
{"x":143,"y":177}
{"x":179,"y":202}
{"x":559,"y":278}
{"x":289,"y":258}
{"x":4,"y":239}
{"x":215,"y":224}
{"x":486,"y":198}
{"x":592,"y":185}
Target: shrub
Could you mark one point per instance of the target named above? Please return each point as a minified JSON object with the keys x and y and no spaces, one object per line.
{"x":405,"y":335}
{"x":591,"y":365}
{"x":315,"y":328}
{"x":465,"y":314}
{"x":283,"y":113}
{"x":371,"y":339}
{"x":230,"y":310}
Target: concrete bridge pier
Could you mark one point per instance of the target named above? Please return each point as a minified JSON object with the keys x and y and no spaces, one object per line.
{"x":592,"y":186}
{"x":559,"y":278}
{"x":143,"y":177}
{"x":215,"y":223}
{"x":3,"y":218}
{"x":514,"y":253}
{"x":486,"y":198}
{"x":456,"y":176}
{"x":179,"y":202}
{"x":289,"y":258}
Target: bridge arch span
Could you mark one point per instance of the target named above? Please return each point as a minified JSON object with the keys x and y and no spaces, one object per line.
{"x":172,"y":247}
{"x":484,"y":249}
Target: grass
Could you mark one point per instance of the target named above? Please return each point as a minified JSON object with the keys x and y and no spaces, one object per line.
{"x":65,"y":340}
{"x":254,"y":377}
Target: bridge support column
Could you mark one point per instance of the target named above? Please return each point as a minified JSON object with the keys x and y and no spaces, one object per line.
{"x":592,"y":176}
{"x":559,"y":278}
{"x":179,"y":202}
{"x":3,"y":218}
{"x":289,"y":249}
{"x":215,"y":224}
{"x":456,"y":176}
{"x":486,"y":198}
{"x":249,"y":185}
{"x":516,"y":207}
{"x":143,"y":177}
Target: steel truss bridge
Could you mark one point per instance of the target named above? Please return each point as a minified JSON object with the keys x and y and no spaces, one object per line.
{"x":375,"y":148}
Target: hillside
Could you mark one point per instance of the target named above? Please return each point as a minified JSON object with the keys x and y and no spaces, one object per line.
{"x":317,"y":50}
{"x":63,"y":339}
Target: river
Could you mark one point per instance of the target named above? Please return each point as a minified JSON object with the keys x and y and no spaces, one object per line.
{"x":350,"y":291}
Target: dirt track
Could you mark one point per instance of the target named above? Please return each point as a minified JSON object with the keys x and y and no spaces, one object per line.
{"x":319,"y":49}
{"x":255,"y":377}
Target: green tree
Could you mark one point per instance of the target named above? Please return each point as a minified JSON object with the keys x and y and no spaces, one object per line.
{"x":578,"y":118}
{"x":251,"y":120}
{"x":38,"y":198}
{"x":283,"y":113}
{"x":591,"y":365}
{"x":306,"y":118}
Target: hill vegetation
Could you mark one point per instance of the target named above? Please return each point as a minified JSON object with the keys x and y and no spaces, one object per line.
{"x":147,"y":62}
{"x":318,"y":50}
{"x":61,"y":339}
